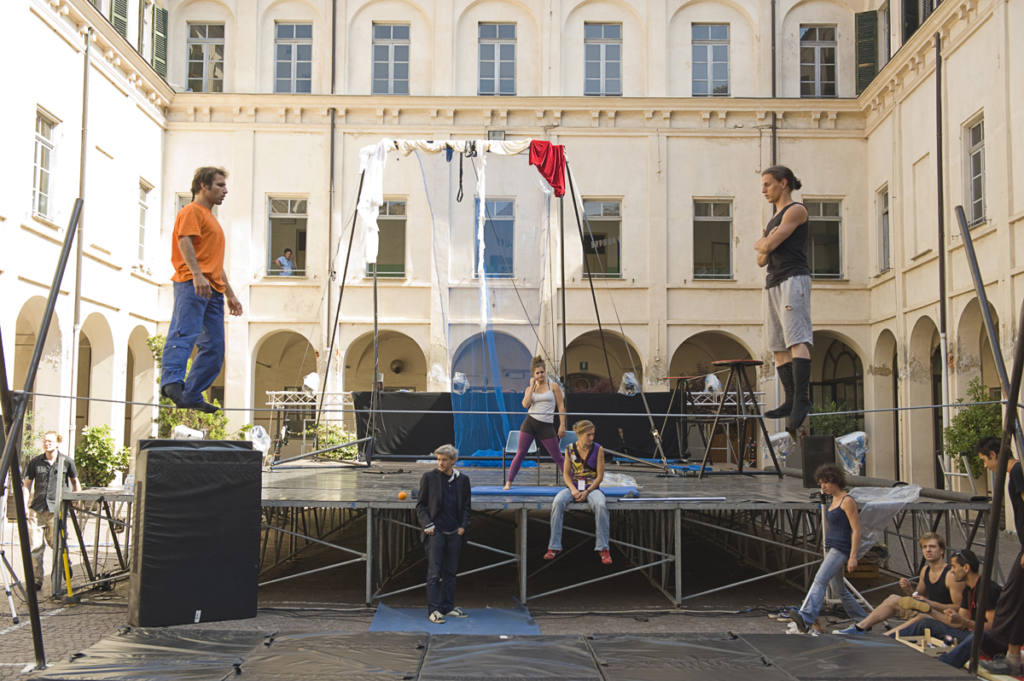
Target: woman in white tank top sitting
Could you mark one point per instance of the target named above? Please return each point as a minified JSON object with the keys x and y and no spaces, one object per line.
{"x":541,"y":398}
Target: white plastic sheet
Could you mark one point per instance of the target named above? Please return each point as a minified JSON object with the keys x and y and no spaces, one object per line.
{"x":878,"y":506}
{"x":783,"y":444}
{"x":629,"y":385}
{"x":852,"y":450}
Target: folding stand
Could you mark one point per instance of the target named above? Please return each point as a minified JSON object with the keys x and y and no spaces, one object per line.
{"x":687,"y":406}
{"x":738,"y":376}
{"x":10,"y":579}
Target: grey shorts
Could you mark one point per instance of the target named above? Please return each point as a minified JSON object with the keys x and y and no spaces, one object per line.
{"x":788,"y":321}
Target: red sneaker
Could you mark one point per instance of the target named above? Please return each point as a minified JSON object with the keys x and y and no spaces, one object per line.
{"x":550,"y":555}
{"x":606,"y":557}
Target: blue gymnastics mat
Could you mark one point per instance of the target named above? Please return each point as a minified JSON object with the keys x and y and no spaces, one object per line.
{"x":478,"y":621}
{"x":544,"y":491}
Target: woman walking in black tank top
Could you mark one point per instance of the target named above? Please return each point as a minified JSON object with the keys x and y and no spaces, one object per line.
{"x":842,"y":537}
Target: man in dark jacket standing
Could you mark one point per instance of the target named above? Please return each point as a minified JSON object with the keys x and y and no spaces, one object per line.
{"x":443,"y":509}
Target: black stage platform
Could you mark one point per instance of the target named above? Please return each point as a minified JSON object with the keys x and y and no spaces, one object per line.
{"x":324,"y":484}
{"x":769,"y":523}
{"x":216,"y":655}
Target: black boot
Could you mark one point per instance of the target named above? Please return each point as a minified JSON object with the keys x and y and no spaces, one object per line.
{"x":801,"y":394}
{"x":174,"y":392}
{"x":786,"y":379}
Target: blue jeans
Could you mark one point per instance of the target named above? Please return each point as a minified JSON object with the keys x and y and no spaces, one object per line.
{"x":442,"y":565}
{"x":962,"y":652}
{"x":597,"y":504}
{"x":938,"y":629}
{"x":830,"y":570}
{"x":195,"y":322}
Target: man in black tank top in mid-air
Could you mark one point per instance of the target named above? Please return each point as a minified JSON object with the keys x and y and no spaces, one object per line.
{"x":782,"y":249}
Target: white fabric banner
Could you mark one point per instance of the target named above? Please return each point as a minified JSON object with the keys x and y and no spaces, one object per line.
{"x":373,"y":158}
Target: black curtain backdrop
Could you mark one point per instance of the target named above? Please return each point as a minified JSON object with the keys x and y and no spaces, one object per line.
{"x":407,"y":434}
{"x":418,"y":434}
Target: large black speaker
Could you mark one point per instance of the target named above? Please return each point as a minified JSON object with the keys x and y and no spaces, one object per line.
{"x":195,"y":556}
{"x":815,"y":450}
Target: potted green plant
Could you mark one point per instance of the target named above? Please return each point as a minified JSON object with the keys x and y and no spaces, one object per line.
{"x":97,"y":458}
{"x":969,"y":424}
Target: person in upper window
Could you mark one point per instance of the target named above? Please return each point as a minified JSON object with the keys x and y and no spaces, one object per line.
{"x":285,"y":263}
{"x":582,"y":472}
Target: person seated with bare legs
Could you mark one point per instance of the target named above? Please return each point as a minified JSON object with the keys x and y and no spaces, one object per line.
{"x":541,"y":398}
{"x":955,"y":622}
{"x":936,"y":589}
{"x":582,"y":472}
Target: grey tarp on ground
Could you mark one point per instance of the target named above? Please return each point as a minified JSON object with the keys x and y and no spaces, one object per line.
{"x":159,"y":655}
{"x":182,"y":654}
{"x":330,"y":656}
{"x":836,"y":658}
{"x":708,"y":657}
{"x":488,"y":658}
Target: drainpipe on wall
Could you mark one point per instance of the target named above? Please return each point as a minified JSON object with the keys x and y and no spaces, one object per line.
{"x":940,"y":193}
{"x":325,"y":330}
{"x":77,"y":325}
{"x":775,"y":121}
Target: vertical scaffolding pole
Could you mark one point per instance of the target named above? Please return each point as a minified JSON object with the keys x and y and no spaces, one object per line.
{"x":678,"y":537}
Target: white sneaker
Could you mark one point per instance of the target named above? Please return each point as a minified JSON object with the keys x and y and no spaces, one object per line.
{"x":456,"y":612}
{"x":436,"y":617}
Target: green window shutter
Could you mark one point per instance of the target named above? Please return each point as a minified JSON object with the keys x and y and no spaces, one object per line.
{"x":160,"y":40}
{"x":119,"y":16}
{"x":911,"y":19}
{"x":867,"y":48}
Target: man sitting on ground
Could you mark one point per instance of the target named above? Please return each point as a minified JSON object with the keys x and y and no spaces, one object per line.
{"x":952,"y":622}
{"x":937,"y":589}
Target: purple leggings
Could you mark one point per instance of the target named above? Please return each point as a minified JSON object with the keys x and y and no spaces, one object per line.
{"x":545,"y":434}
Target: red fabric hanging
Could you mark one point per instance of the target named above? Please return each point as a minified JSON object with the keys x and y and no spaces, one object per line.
{"x":550,"y":161}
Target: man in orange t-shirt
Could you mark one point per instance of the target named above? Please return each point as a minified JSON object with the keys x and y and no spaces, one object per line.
{"x":200,"y":289}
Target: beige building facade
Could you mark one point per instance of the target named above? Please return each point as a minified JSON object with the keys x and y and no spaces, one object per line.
{"x":667,"y":114}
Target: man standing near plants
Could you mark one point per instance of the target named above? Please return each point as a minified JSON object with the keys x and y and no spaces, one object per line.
{"x":40,"y":477}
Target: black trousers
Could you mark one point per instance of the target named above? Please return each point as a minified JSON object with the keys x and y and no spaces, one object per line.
{"x":1008,"y":624}
{"x":442,"y":564}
